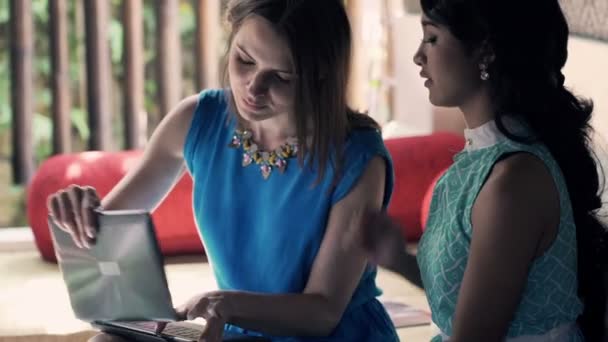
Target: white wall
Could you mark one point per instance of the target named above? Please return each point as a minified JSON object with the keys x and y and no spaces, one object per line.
{"x":587,"y":75}
{"x":411,"y":104}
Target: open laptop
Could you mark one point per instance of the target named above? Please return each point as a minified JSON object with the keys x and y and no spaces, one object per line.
{"x":119,"y":284}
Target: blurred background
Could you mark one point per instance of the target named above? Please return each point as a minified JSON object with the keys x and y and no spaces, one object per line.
{"x":80,"y":75}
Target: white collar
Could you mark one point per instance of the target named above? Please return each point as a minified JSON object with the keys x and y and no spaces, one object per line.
{"x":488,"y":134}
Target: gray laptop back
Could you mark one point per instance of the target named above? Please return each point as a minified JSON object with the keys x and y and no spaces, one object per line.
{"x":121,"y":277}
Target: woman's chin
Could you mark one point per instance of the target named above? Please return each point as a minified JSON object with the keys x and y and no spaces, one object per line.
{"x":249,"y":115}
{"x":436,"y":100}
{"x":433,"y":100}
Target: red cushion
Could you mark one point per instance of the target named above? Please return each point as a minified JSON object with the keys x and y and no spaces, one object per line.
{"x":173,"y":219}
{"x":417,"y":161}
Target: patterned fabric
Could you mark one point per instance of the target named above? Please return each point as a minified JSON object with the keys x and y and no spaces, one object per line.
{"x":263,"y":235}
{"x":550,"y":296}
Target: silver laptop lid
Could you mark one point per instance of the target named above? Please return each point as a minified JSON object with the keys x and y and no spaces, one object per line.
{"x":121,"y":277}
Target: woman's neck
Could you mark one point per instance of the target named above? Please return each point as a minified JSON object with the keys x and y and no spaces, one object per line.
{"x":478,"y":109}
{"x":272,"y":133}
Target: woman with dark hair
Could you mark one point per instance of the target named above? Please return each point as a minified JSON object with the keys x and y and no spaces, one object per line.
{"x":281,"y":169}
{"x":512,"y":249}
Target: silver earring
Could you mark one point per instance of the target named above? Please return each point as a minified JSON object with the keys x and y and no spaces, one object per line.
{"x":484,"y":75}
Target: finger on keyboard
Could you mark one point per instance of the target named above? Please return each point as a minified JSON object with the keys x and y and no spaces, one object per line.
{"x":160,"y":326}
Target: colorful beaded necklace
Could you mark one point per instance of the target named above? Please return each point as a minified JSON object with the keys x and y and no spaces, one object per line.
{"x":266,"y":160}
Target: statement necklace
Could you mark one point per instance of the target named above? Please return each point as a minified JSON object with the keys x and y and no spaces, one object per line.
{"x":266,"y":160}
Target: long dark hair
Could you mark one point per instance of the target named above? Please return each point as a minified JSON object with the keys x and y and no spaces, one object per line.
{"x":528,"y":40}
{"x":319,"y":36}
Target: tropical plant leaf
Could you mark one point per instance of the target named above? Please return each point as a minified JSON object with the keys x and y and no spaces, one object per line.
{"x":79,"y":121}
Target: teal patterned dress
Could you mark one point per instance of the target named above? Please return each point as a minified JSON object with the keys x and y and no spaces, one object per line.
{"x":549,"y":305}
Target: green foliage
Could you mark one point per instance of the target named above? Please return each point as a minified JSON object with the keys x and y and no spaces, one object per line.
{"x":5,"y":117}
{"x":76,"y":41}
{"x":80,"y":124}
{"x":4,"y":11}
{"x":4,"y":90}
{"x":40,"y":8}
{"x":187,"y":18}
{"x":116,"y":41}
{"x":5,"y":109}
{"x":43,"y":135}
{"x":42,"y":100}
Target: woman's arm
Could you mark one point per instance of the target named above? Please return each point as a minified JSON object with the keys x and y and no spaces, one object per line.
{"x":515,"y":219}
{"x":335,"y":274}
{"x":147,"y":184}
{"x":143,"y":187}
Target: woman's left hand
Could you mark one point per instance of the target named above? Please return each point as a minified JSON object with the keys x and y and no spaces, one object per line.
{"x":210,"y":306}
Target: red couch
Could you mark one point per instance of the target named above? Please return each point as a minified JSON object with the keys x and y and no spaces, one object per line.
{"x":417,"y":162}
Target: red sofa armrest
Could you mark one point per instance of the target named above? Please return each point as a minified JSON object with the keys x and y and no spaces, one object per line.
{"x":417,"y":161}
{"x":173,"y":219}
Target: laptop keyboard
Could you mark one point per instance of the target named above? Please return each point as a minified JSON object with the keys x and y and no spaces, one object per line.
{"x":188,"y":331}
{"x":183,"y":332}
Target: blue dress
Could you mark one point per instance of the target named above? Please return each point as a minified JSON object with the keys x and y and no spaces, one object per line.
{"x":263,"y":235}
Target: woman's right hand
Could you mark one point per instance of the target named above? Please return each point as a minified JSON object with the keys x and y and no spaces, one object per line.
{"x":382,"y":237}
{"x":73,"y":210}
